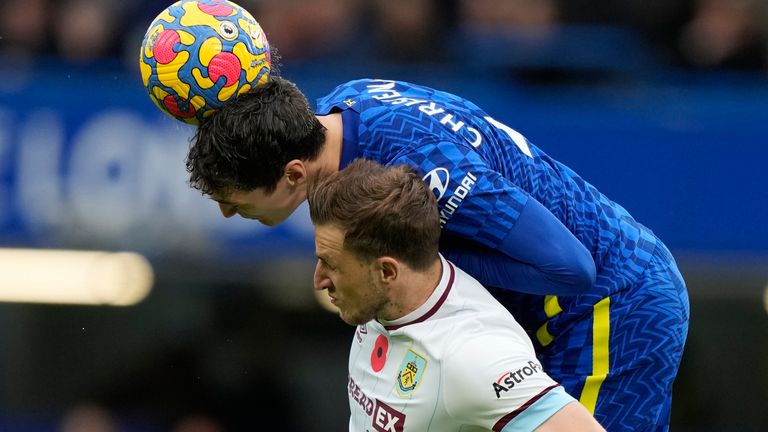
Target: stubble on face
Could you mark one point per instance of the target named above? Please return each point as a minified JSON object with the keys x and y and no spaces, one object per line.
{"x":371,"y":301}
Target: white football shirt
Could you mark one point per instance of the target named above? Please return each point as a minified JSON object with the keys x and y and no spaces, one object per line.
{"x":458,"y":362}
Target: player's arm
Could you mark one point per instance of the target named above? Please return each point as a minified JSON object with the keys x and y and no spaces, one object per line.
{"x":539,"y":255}
{"x":571,"y":418}
{"x":525,"y":247}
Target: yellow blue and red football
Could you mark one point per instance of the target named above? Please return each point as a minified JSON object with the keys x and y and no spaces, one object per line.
{"x":198,"y":54}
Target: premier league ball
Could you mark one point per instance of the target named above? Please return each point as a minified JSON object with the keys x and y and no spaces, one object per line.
{"x":198,"y":54}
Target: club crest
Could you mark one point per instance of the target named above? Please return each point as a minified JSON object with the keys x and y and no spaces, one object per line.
{"x":410,"y":372}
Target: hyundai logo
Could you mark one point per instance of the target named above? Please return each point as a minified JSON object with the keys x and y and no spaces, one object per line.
{"x":437,"y":179}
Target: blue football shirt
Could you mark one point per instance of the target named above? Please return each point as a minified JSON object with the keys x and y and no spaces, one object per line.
{"x":512,"y":216}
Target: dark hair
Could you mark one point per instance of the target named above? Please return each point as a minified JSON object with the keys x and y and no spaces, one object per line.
{"x":384,"y":211}
{"x":246,"y":144}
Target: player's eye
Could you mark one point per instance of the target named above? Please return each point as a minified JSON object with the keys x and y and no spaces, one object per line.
{"x":326,"y":265}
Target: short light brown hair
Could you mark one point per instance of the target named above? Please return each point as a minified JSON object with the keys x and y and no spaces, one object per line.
{"x":383,"y":211}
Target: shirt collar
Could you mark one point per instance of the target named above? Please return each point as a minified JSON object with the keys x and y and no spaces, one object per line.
{"x":433,"y":303}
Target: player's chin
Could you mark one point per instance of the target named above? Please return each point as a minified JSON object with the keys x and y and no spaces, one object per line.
{"x":270,"y":222}
{"x":267,"y":222}
{"x":352,"y":319}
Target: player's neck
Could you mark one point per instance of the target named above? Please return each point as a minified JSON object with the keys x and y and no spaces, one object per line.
{"x":330,"y":154}
{"x":413,"y":291}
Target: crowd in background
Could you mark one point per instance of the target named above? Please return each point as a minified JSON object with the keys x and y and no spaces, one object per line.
{"x":689,"y":34}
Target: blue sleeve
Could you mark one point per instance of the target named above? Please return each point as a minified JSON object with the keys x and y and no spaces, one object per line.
{"x":555,"y":262}
{"x":507,"y":239}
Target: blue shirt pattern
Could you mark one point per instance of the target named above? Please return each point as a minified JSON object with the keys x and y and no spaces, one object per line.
{"x":484,"y":172}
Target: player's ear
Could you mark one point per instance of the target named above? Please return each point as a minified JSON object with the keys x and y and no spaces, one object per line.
{"x":296,"y":172}
{"x":388,"y":269}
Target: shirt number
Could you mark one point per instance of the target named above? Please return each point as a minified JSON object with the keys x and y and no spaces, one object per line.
{"x":516,"y":136}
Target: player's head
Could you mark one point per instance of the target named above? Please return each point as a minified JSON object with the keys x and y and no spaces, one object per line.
{"x":372,"y":224}
{"x":248,"y":142}
{"x":249,"y":155}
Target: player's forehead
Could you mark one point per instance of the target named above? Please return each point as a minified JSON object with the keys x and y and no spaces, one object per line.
{"x":329,"y":241}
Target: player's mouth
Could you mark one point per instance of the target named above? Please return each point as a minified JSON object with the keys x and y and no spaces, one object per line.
{"x":332,"y":298}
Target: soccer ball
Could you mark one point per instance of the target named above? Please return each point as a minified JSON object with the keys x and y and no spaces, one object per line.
{"x":198,"y":54}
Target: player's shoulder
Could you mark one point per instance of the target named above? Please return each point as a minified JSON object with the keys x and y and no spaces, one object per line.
{"x":358,"y":84}
{"x":345,"y":95}
{"x":484,"y":327}
{"x":481,"y":338}
{"x":481,"y":373}
{"x":470,"y":292}
{"x":376,"y":86}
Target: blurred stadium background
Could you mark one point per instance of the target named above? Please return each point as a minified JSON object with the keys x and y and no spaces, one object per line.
{"x":663,"y":104}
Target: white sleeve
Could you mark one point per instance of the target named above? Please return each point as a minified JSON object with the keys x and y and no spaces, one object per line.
{"x":496,"y":382}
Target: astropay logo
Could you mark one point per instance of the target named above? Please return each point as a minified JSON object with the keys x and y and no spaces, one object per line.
{"x":437,"y":179}
{"x":509,"y":379}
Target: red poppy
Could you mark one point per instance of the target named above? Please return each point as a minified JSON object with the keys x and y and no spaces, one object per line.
{"x":379,"y":353}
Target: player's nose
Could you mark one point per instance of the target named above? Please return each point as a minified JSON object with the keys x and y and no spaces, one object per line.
{"x":227,"y":210}
{"x":321,"y":281}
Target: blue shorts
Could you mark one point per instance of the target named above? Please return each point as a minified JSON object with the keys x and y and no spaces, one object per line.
{"x":619,"y":357}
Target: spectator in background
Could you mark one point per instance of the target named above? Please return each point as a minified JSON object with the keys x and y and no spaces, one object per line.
{"x":726,"y":34}
{"x":655,"y":23}
{"x":410,"y":30}
{"x":87,"y":30}
{"x":518,"y":36}
{"x":23,"y":28}
{"x":529,"y":16}
{"x":307,"y":29}
{"x":197,"y":423}
{"x":88,"y":417}
{"x":529,"y":24}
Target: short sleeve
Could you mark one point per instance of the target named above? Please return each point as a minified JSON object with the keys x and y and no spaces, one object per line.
{"x":497,"y":383}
